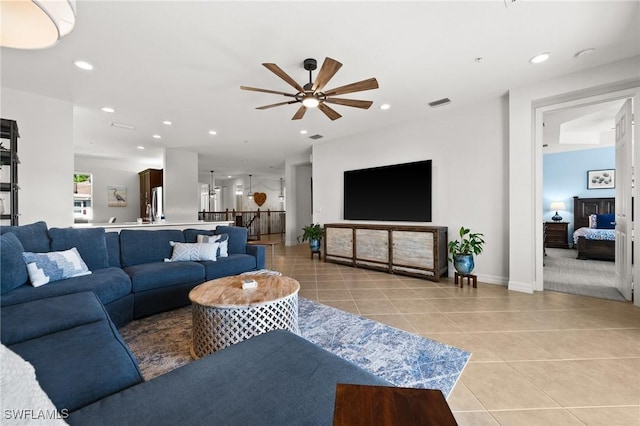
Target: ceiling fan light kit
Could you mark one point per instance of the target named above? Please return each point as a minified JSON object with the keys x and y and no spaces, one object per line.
{"x":311,"y":95}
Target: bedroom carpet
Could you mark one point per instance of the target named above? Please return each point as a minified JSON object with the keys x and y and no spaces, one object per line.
{"x":566,"y":274}
{"x":161,"y":343}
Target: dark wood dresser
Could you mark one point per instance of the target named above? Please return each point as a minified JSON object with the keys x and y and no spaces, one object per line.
{"x":557,"y":235}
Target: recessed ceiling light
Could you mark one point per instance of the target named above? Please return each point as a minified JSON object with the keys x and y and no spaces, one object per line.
{"x":167,"y":122}
{"x":229,"y":177}
{"x":303,"y":132}
{"x":539,"y":58}
{"x":83,"y":65}
{"x":140,"y":147}
{"x":108,"y":109}
{"x":157,"y":137}
{"x":213,"y":132}
{"x":584,"y":52}
{"x":385,"y":106}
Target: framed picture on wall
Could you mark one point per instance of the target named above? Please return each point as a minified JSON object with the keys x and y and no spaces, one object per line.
{"x":117,"y":196}
{"x":601,"y":179}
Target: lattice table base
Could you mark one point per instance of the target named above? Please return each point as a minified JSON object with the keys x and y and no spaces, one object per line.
{"x":216,"y":328}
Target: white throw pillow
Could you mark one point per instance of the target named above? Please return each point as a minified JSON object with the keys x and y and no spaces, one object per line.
{"x":222,"y":240}
{"x":22,"y":399}
{"x":192,"y":251}
{"x":54,"y":266}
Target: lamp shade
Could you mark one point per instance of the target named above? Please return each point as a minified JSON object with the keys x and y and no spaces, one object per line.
{"x":35,"y":24}
{"x":558,"y":205}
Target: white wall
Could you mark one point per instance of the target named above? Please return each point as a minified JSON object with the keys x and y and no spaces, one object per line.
{"x":111,"y":172}
{"x":298,"y":197}
{"x":525,"y":159}
{"x":180,"y":185}
{"x":468,"y":146}
{"x":45,"y":147}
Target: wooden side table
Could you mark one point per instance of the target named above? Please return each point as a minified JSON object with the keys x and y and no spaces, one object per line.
{"x":471,"y":279}
{"x":384,"y":405}
{"x":556,"y":235}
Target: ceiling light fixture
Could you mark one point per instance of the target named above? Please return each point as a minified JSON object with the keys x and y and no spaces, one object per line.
{"x":167,"y":122}
{"x":310,"y":101}
{"x":108,"y":109}
{"x":213,"y":132}
{"x":385,"y":107}
{"x":539,"y":58}
{"x":584,"y":52}
{"x":157,"y":137}
{"x":250,"y":194}
{"x":281,"y":197}
{"x":35,"y":24}
{"x":303,"y":132}
{"x":83,"y":65}
{"x":212,"y":190}
{"x":140,"y":147}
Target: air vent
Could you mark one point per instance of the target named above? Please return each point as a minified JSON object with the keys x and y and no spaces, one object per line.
{"x":440,"y":102}
{"x":316,"y":136}
{"x":123,"y":126}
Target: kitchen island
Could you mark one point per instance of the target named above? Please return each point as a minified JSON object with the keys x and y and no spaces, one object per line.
{"x":153,"y":226}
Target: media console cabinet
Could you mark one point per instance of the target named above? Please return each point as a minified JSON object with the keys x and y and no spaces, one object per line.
{"x":398,"y":249}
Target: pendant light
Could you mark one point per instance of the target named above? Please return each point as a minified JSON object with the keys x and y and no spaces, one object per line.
{"x":212,"y":189}
{"x":250,"y":194}
{"x":281,"y":197}
{"x":35,"y":24}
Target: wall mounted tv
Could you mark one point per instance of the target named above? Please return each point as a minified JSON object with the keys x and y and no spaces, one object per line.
{"x":400,"y":192}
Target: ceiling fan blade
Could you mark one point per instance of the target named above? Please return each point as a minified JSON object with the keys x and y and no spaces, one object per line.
{"x":278,"y":104}
{"x":368,"y":84}
{"x":275,"y":92}
{"x":327,"y":71}
{"x":283,"y":75}
{"x":350,"y":102}
{"x":328,"y":111}
{"x":300,"y":113}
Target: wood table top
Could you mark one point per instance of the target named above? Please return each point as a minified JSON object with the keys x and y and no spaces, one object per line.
{"x":227,"y":292}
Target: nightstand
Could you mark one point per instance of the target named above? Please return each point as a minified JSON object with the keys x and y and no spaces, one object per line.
{"x":557,"y":235}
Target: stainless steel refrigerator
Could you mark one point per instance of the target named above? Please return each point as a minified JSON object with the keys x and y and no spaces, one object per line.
{"x":157,"y":204}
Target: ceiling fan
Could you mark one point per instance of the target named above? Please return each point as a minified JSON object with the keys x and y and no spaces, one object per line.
{"x":311,"y":95}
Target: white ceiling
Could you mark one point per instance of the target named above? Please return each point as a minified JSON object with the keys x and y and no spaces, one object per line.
{"x":184,"y":61}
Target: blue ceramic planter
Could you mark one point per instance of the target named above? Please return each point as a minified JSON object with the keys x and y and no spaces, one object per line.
{"x":463,"y":263}
{"x":314,"y":245}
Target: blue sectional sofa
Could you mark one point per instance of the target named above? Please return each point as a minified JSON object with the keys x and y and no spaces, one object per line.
{"x":67,"y":331}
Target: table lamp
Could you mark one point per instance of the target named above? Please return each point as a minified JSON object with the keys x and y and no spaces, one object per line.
{"x":557,"y":205}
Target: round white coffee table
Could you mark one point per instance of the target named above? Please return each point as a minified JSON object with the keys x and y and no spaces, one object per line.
{"x":224,"y":313}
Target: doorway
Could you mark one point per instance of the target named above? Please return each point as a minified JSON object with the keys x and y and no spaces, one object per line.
{"x":542,"y":209}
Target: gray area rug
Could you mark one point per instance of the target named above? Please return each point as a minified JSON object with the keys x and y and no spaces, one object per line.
{"x":566,"y":274}
{"x":162,"y":342}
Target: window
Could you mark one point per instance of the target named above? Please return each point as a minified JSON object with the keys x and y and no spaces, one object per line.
{"x":82,"y":197}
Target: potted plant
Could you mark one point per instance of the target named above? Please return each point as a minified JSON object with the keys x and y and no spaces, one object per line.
{"x":462,"y":251}
{"x":313,"y":233}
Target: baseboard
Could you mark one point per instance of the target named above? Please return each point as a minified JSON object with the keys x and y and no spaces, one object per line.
{"x":493,"y":279}
{"x":521,"y":287}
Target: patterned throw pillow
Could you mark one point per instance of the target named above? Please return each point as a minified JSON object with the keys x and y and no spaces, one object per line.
{"x":593,"y":222}
{"x":222,"y":239}
{"x":183,"y":252}
{"x":54,"y":266}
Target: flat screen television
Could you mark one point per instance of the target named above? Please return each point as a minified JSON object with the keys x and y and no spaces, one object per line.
{"x":400,"y":192}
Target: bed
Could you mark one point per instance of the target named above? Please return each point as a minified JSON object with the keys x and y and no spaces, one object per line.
{"x":593,"y":234}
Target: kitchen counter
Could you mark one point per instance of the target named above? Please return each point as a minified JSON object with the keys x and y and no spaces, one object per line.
{"x":117,"y":227}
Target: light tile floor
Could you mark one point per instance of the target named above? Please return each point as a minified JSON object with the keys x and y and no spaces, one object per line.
{"x":543,"y":359}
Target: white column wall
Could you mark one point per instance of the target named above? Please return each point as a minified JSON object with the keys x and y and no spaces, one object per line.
{"x":181,"y":187}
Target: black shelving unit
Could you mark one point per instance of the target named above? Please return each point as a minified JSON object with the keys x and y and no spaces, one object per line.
{"x":9,"y":185}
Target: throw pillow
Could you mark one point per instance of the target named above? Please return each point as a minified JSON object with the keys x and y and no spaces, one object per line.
{"x":593,"y":223}
{"x":606,"y":221}
{"x":13,"y":272}
{"x":222,"y":239}
{"x":46,"y":268}
{"x":183,"y":252}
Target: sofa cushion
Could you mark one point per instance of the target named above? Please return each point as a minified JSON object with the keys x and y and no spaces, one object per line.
{"x":37,"y":318}
{"x":34,"y":237}
{"x":44,"y":268}
{"x":13,"y":271}
{"x":108,"y":284}
{"x":90,"y":242}
{"x":283,"y":380}
{"x":148,"y":276}
{"x":81,"y":365}
{"x":21,"y":391}
{"x":237,"y":238}
{"x":193,"y":251}
{"x":231,"y":265}
{"x":191,"y":235}
{"x":138,"y":247}
{"x":113,"y":248}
